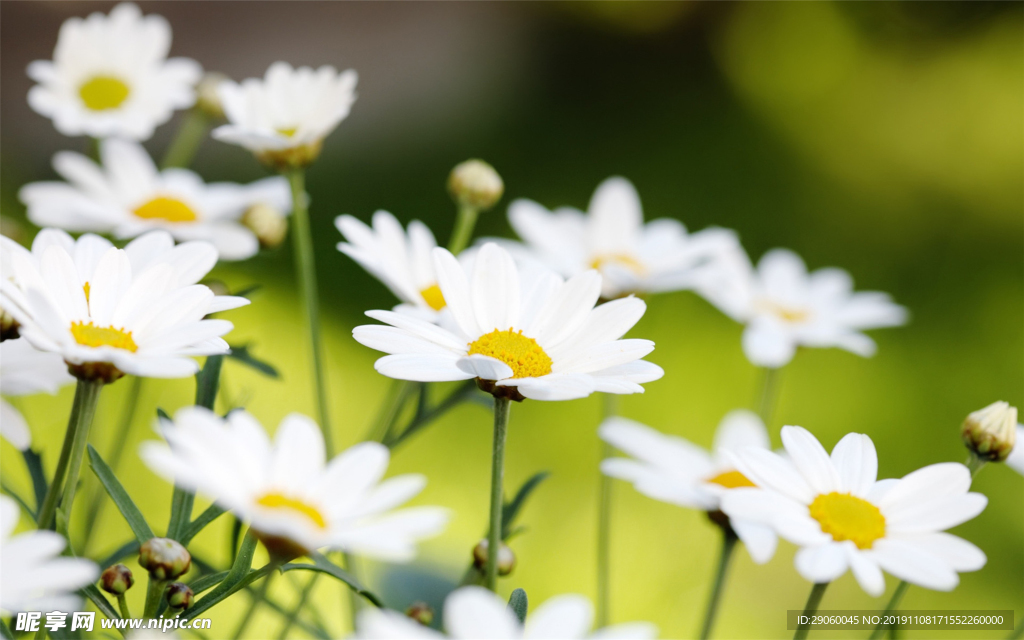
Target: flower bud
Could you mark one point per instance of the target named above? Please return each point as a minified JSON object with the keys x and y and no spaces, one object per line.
{"x":506,"y":559}
{"x":208,"y":94}
{"x":474,"y":183}
{"x":117,"y":579}
{"x":165,"y":559}
{"x":991,"y":432}
{"x":179,"y":595}
{"x":269,"y":224}
{"x":421,"y":612}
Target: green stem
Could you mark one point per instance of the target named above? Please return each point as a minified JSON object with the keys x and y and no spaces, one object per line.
{"x":257,"y":598}
{"x":975,"y":463}
{"x":894,"y":602}
{"x":154,"y":594}
{"x":70,"y":462}
{"x":289,"y":622}
{"x":390,"y":409}
{"x":114,"y":458}
{"x":728,"y":545}
{"x":604,"y":521}
{"x":426,"y":417}
{"x":463,"y":231}
{"x":769,"y":396}
{"x":186,"y":141}
{"x":122,"y":604}
{"x":1018,"y":632}
{"x":306,"y":266}
{"x":501,"y":413}
{"x":813,"y":600}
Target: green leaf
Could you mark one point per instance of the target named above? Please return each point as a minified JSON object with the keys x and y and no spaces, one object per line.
{"x":510,"y":510}
{"x":101,"y":602}
{"x":206,"y":517}
{"x":235,"y":579}
{"x":29,"y":511}
{"x":127,"y":549}
{"x":519,"y":603}
{"x":120,"y":497}
{"x":181,"y":512}
{"x":160,"y":413}
{"x":208,"y":381}
{"x":202,"y":583}
{"x":245,"y":292}
{"x":5,"y":631}
{"x":323,"y":565}
{"x":241,"y":354}
{"x":35,"y":471}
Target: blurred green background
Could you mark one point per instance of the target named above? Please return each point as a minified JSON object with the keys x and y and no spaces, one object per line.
{"x":885,"y":138}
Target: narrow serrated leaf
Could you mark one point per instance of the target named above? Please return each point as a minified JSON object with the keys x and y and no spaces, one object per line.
{"x":323,"y":565}
{"x":510,"y":510}
{"x":127,"y":549}
{"x":121,"y":499}
{"x":241,"y":354}
{"x":34,"y":463}
{"x":206,"y":517}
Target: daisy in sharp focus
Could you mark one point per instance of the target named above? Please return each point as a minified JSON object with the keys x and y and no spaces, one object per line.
{"x":842,"y":518}
{"x":107,"y":313}
{"x":293,"y":500}
{"x":110,"y":76}
{"x":284,"y":117}
{"x":474,"y":612}
{"x":546,"y":341}
{"x":783,"y":306}
{"x":673,"y":470}
{"x":126,"y":195}
{"x":24,"y":370}
{"x":611,"y":237}
{"x":33,"y":574}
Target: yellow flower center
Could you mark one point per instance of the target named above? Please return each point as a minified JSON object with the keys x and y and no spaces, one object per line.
{"x":169,"y":209}
{"x":89,"y":335}
{"x":280,"y":501}
{"x":432,"y":296}
{"x":731,"y":480}
{"x":288,"y":131}
{"x":792,"y":315}
{"x":620,"y":259}
{"x":103,"y":92}
{"x":86,"y":288}
{"x":522,"y":354}
{"x":847,"y":517}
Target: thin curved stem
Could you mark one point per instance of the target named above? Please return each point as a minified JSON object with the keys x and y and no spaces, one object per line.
{"x":501,"y":414}
{"x":813,"y":600}
{"x":70,"y":462}
{"x":154,"y":594}
{"x":305,"y":264}
{"x":894,"y":602}
{"x":122,"y":605}
{"x":769,"y":395}
{"x":728,"y":545}
{"x":610,"y":407}
{"x":463,"y":231}
{"x":187,"y":140}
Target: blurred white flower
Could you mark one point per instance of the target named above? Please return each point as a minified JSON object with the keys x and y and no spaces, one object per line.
{"x":473,"y":612}
{"x":785,"y":307}
{"x":284,"y":117}
{"x":611,"y":237}
{"x":110,"y":311}
{"x":291,"y":499}
{"x":33,"y":575}
{"x":843,"y":518}
{"x":676,"y":471}
{"x":1016,"y":457}
{"x":545,"y":341}
{"x":24,"y":370}
{"x":110,"y":76}
{"x":128,"y":196}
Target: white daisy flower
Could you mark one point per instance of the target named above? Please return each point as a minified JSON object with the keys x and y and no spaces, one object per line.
{"x":785,"y":307}
{"x":24,"y":370}
{"x":110,"y":311}
{"x":611,"y":237}
{"x":33,"y":575}
{"x":676,"y":471}
{"x":546,"y":341}
{"x":110,"y":76}
{"x":474,"y":612}
{"x":400,"y":259}
{"x":842,"y":518}
{"x":127,"y":195}
{"x":284,"y":117}
{"x":1016,"y":458}
{"x":290,"y":498}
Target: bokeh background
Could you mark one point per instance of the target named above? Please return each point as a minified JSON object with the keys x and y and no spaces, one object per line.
{"x":885,"y":138}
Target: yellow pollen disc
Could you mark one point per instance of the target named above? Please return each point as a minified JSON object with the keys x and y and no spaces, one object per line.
{"x":792,"y":315}
{"x":847,"y":517}
{"x":280,"y":501}
{"x":432,"y":296}
{"x":731,"y":480}
{"x":169,"y":209}
{"x":86,"y":288}
{"x":89,"y":335}
{"x":103,"y":92}
{"x":618,"y":259}
{"x":522,"y":354}
{"x":288,"y":131}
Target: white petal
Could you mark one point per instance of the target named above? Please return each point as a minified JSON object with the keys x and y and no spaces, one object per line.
{"x":823,"y":563}
{"x":766,"y":343}
{"x":759,"y":539}
{"x":421,"y":367}
{"x":567,"y":616}
{"x":474,"y":613}
{"x":495,"y":289}
{"x":865,"y":570}
{"x":855,"y":459}
{"x":958,"y":553}
{"x":484,"y":367}
{"x":811,"y":459}
{"x":905,"y":561}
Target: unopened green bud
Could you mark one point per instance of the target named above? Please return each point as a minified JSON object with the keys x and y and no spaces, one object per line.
{"x":506,"y":559}
{"x":117,"y":579}
{"x":165,"y":559}
{"x":268,"y":224}
{"x":208,"y":94}
{"x":991,"y":432}
{"x":421,"y":612}
{"x":474,"y":183}
{"x":179,"y":595}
